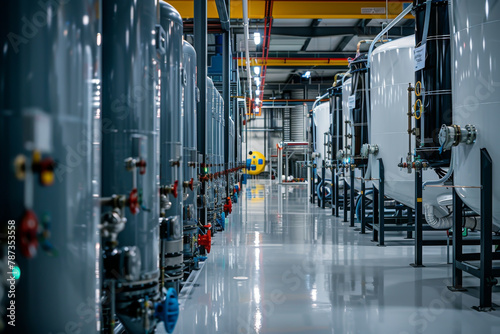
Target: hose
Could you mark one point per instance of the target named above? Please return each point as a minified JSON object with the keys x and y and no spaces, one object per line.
{"x":318,"y":190}
{"x":446,"y":222}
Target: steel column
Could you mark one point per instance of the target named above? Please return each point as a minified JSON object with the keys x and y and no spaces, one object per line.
{"x":323,"y":190}
{"x":363,"y":222}
{"x":486,"y":278}
{"x":352,"y":205}
{"x":381,"y":203}
{"x":418,"y":219}
{"x":457,"y":274}
{"x":345,"y":200}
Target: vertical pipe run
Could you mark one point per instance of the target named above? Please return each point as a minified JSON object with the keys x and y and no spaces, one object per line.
{"x":345,"y":200}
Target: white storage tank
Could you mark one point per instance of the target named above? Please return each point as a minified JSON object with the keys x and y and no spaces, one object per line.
{"x":476,"y":95}
{"x":392,"y":70}
{"x":322,"y":122}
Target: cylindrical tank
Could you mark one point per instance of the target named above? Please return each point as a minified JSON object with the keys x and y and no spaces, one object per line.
{"x":50,"y":72}
{"x":130,"y":153}
{"x":434,"y":80}
{"x":390,"y":74}
{"x":173,"y":81}
{"x":190,"y":227}
{"x":171,"y":106}
{"x":476,"y":95}
{"x":345,"y":156}
{"x":322,"y":122}
{"x":209,"y":192}
{"x":337,"y":127}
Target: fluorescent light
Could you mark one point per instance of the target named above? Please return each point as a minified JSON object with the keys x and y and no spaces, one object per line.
{"x":307,"y":75}
{"x":257,"y":81}
{"x":257,"y":100}
{"x":256,"y":38}
{"x":256,"y":70}
{"x":257,"y":92}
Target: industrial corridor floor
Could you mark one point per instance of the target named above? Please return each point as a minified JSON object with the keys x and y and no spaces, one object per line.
{"x":284,"y":265}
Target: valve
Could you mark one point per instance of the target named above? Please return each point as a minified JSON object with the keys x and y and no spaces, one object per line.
{"x":29,"y":234}
{"x":453,"y":135}
{"x":206,"y":240}
{"x":191,"y":184}
{"x":228,"y":207}
{"x":45,"y":170}
{"x":174,"y":189}
{"x":368,"y":149}
{"x":133,"y":201}
{"x":168,"y":310}
{"x":131,"y":163}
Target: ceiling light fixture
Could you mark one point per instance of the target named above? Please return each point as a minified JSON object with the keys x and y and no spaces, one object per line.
{"x":256,"y":38}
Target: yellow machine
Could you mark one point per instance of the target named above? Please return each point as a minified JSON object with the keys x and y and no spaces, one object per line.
{"x":257,"y":162}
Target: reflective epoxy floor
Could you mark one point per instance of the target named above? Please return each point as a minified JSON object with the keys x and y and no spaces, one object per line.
{"x":286,"y":266}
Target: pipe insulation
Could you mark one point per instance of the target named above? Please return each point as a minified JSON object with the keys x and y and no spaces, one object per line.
{"x":446,"y":222}
{"x":247,"y":54}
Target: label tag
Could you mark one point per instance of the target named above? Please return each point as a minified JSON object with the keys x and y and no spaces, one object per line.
{"x":419,"y":55}
{"x":352,"y":102}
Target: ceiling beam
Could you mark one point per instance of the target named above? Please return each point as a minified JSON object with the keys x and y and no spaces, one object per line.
{"x":347,"y":39}
{"x":311,"y":32}
{"x":311,"y":9}
{"x":288,"y":62}
{"x":314,"y":24}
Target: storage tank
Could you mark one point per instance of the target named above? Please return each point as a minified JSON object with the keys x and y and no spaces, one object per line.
{"x":345,"y":155}
{"x":391,"y":73}
{"x":190,"y":227}
{"x":210,"y":123}
{"x":173,"y":81}
{"x":476,"y":95}
{"x":50,"y":122}
{"x":322,"y":122}
{"x":130,"y":165}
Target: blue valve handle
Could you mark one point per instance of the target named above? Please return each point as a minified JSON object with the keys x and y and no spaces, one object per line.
{"x":168,"y":310}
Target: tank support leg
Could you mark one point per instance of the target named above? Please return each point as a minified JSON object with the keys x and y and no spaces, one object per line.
{"x":362,"y":218}
{"x":457,"y":274}
{"x":381,"y":203}
{"x":418,"y":219}
{"x":352,"y":205}
{"x":375,"y":214}
{"x":345,"y":200}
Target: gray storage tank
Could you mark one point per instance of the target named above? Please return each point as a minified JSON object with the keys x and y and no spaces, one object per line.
{"x":50,"y":72}
{"x":171,"y":171}
{"x":130,"y":163}
{"x":190,"y":228}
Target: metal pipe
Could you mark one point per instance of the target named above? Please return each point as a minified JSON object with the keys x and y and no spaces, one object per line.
{"x":247,"y":54}
{"x":386,"y":29}
{"x":444,"y":179}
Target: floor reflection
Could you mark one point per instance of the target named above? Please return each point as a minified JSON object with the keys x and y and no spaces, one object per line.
{"x":285,"y":266}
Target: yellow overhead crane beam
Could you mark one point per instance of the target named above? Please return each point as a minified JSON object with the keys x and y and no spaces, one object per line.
{"x":298,"y":62}
{"x":302,"y":9}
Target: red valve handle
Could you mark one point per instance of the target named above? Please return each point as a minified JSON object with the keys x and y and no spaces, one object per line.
{"x":133,"y":201}
{"x":142,"y":167}
{"x":174,"y":190}
{"x":29,"y":234}
{"x":191,"y":184}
